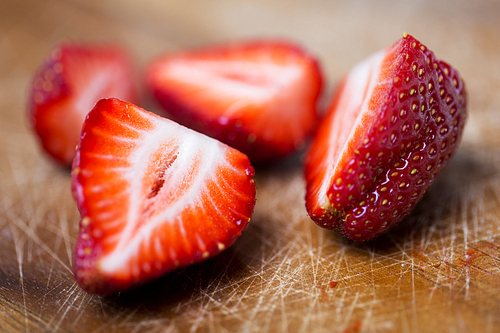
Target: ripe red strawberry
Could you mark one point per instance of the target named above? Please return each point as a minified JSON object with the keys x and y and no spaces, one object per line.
{"x":153,"y":196}
{"x":394,"y":123}
{"x":66,"y":87}
{"x":258,"y":97}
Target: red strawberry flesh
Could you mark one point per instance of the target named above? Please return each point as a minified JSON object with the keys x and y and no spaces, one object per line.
{"x":394,"y":123}
{"x":153,"y":196}
{"x":259,"y":97}
{"x":69,"y":83}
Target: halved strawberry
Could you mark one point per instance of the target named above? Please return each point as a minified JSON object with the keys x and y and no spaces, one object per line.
{"x":258,"y":97}
{"x":153,"y":196}
{"x":67,"y":85}
{"x":395,"y":121}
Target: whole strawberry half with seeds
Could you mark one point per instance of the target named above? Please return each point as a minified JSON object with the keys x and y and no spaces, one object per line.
{"x":259,"y":97}
{"x":394,"y":123}
{"x":153,"y":196}
{"x":67,"y":85}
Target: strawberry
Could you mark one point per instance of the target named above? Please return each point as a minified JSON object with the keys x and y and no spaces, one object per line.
{"x":259,"y":97}
{"x":153,"y":196}
{"x":394,"y":123}
{"x":68,"y":84}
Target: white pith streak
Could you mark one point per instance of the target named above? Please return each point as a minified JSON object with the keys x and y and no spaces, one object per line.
{"x":94,"y":83}
{"x":246,"y":81}
{"x":94,"y":89}
{"x":359,"y":86}
{"x":193,"y":149}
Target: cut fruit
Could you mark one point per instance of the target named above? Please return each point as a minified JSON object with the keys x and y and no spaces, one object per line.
{"x":395,"y":121}
{"x":258,"y":97}
{"x":69,"y":83}
{"x":153,"y":196}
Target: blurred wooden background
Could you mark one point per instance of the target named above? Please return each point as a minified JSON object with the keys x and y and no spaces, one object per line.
{"x":439,"y":271}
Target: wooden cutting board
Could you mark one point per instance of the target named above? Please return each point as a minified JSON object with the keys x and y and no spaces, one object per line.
{"x":439,"y":271}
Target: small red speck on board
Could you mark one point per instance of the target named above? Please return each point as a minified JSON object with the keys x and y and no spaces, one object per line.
{"x":353,"y":328}
{"x":470,"y":253}
{"x":323,"y":296}
{"x":332,"y":284}
{"x":469,"y":256}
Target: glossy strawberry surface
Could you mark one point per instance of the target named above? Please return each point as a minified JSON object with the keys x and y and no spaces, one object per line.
{"x":66,"y":87}
{"x":153,"y":196}
{"x":259,"y":97}
{"x":395,"y":121}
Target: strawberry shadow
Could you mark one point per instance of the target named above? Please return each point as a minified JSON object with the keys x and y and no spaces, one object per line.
{"x":441,"y":206}
{"x":180,"y":289}
{"x":286,"y":164}
{"x":190,"y":288}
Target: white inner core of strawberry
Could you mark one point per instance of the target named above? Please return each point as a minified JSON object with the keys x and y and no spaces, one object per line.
{"x":185,"y":181}
{"x":95,"y":81}
{"x":247,"y":81}
{"x":93,"y":88}
{"x":353,"y":116}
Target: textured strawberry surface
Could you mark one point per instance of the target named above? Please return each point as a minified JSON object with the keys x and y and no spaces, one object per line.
{"x":259,"y":97}
{"x":394,"y":123}
{"x":153,"y":196}
{"x":66,"y":87}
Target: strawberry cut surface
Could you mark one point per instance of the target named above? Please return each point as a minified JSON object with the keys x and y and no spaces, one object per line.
{"x":153,"y":196}
{"x":394,"y":122}
{"x":66,"y":87}
{"x":259,"y":97}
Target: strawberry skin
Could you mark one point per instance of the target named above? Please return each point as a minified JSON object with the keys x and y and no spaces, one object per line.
{"x":259,"y":97}
{"x":153,"y":196}
{"x":395,"y":121}
{"x":66,"y":87}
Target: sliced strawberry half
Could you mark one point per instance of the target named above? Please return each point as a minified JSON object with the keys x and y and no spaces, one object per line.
{"x":66,"y":87}
{"x":259,"y":97}
{"x":153,"y":196}
{"x":394,"y":123}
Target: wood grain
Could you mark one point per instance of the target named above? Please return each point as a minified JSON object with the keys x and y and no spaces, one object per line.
{"x":439,"y":271}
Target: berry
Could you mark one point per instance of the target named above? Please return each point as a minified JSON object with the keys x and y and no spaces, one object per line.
{"x":66,"y":87}
{"x":153,"y":196}
{"x":395,"y":121}
{"x":258,"y":97}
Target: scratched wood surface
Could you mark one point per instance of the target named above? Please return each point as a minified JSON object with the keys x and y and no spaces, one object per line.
{"x":439,"y":271}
